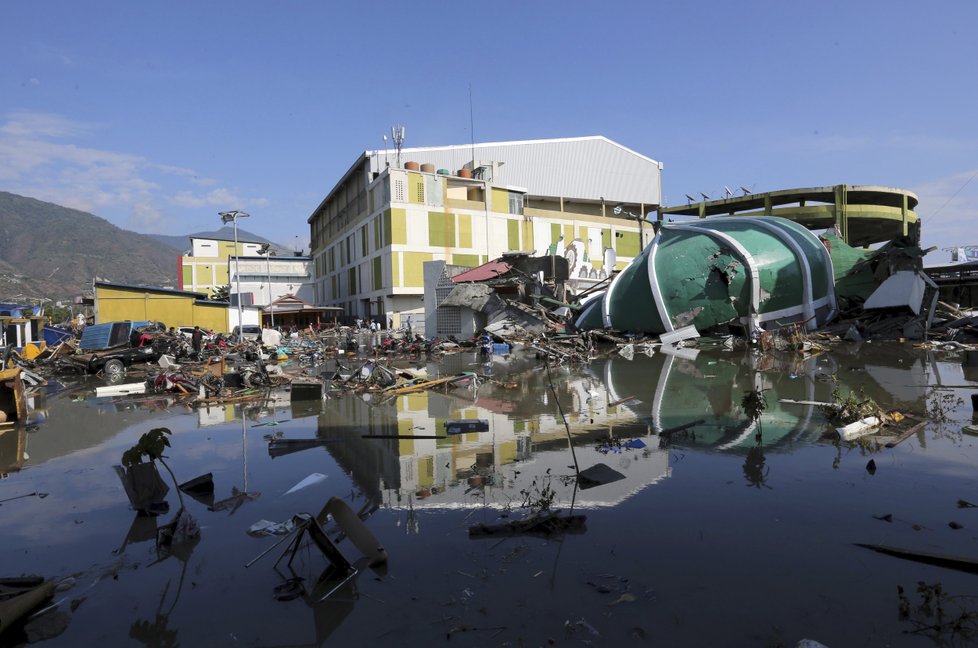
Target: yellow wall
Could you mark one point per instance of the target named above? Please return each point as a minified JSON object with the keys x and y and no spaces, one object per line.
{"x":500,"y":200}
{"x":464,"y":230}
{"x":398,"y":226}
{"x":527,"y":236}
{"x":513,"y":235}
{"x":173,"y":309}
{"x":414,"y":268}
{"x":211,"y":316}
{"x":416,"y":188}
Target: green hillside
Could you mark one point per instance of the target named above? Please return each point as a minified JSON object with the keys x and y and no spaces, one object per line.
{"x":54,"y":252}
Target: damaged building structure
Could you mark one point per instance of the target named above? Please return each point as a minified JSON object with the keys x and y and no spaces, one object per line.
{"x":741,"y":265}
{"x":454,"y":240}
{"x":583,"y":199}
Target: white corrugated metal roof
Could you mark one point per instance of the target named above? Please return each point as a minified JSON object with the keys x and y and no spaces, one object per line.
{"x":590,"y":168}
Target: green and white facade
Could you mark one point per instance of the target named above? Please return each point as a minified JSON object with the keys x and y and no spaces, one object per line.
{"x":468,"y":204}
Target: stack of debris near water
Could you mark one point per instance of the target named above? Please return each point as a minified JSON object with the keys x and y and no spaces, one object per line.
{"x":734,"y":282}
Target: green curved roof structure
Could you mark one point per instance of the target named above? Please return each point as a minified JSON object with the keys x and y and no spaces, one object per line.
{"x":753,"y":272}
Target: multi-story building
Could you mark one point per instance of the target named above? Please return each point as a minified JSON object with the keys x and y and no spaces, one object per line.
{"x":205,"y":267}
{"x":263,"y":277}
{"x":585,"y":198}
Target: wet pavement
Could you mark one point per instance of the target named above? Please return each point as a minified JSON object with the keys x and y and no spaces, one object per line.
{"x":725,"y":533}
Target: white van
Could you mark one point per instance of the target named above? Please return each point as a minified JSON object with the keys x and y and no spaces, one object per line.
{"x":248,"y":332}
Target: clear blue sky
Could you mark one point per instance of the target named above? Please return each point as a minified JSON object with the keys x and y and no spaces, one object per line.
{"x":157,"y":115}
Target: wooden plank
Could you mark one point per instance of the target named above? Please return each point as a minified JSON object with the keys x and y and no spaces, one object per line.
{"x":906,"y":435}
{"x":950,"y":562}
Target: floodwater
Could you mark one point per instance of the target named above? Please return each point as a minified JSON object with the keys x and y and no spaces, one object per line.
{"x":721,"y":534}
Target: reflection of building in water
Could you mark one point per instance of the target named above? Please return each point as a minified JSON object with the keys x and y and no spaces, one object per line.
{"x":610,"y":400}
{"x":525,"y":442}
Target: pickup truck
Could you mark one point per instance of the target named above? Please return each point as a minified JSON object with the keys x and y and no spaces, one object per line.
{"x":110,"y":348}
{"x":114,"y":361}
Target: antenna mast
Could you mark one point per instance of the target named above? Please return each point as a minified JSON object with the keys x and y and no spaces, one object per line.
{"x":472,"y":127}
{"x":397,"y":135}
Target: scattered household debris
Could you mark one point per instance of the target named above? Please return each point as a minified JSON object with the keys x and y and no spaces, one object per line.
{"x":598,"y":475}
{"x":547,"y":524}
{"x":200,"y":488}
{"x":950,"y":562}
{"x":13,"y":406}
{"x":859,"y":428}
{"x":146,"y":490}
{"x":19,"y":596}
{"x":341,"y":570}
{"x":314,"y":478}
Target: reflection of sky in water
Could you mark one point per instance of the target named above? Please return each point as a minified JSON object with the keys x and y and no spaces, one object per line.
{"x":695,"y":521}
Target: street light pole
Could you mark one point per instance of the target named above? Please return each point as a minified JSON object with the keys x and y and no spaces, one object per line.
{"x":266,"y":249}
{"x":619,"y":208}
{"x":232,"y":217}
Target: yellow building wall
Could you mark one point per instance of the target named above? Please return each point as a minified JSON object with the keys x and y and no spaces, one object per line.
{"x":527,"y":236}
{"x":467,"y":260}
{"x":404,"y":429}
{"x":213,"y":317}
{"x":416,"y":188}
{"x":465,"y":230}
{"x":118,"y":303}
{"x":398,"y":234}
{"x":414,"y":268}
{"x":500,"y":200}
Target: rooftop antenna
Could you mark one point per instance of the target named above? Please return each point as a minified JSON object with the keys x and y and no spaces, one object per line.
{"x":387,"y":161}
{"x":689,"y":198}
{"x":726,"y":191}
{"x":746,"y":191}
{"x":705,"y":197}
{"x":397,"y":136}
{"x":472,"y":127}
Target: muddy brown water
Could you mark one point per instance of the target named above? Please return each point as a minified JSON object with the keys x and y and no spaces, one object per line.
{"x":710,"y":536}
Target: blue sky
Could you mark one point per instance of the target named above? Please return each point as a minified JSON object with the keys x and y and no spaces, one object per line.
{"x":158,"y":115}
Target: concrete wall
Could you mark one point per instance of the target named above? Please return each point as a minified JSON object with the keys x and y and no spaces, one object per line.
{"x":114,"y":303}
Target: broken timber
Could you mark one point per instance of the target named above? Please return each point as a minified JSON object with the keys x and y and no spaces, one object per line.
{"x":546,"y":525}
{"x":950,"y":562}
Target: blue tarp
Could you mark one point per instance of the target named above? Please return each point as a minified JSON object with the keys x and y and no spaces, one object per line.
{"x":55,"y":336}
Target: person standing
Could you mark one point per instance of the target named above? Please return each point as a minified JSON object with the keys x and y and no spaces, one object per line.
{"x":197,"y":339}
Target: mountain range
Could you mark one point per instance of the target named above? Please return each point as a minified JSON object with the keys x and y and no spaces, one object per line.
{"x":54,"y":252}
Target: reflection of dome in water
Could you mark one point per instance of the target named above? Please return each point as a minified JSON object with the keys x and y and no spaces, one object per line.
{"x":707,"y":390}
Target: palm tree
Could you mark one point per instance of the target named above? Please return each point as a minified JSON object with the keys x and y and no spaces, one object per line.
{"x":222,"y":293}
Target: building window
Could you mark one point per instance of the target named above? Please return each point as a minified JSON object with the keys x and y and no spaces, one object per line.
{"x":515,"y":203}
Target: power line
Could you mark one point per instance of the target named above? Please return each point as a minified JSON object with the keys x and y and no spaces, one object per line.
{"x":960,"y":189}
